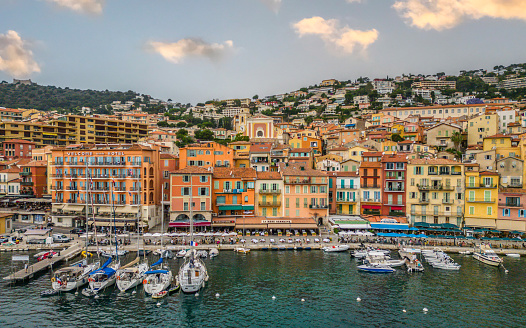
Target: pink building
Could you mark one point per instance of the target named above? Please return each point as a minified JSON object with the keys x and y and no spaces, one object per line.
{"x":512,"y":210}
{"x":17,"y":148}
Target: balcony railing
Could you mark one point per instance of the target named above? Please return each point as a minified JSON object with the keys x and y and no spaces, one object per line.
{"x":447,"y":201}
{"x":298,"y":181}
{"x":318,"y":206}
{"x":26,"y":183}
{"x":370,"y":186}
{"x":394,"y":189}
{"x":371,"y":212}
{"x":396,"y":213}
{"x":480,"y":200}
{"x":346,"y":200}
{"x":480,"y":185}
{"x":269,"y":203}
{"x":269,"y":191}
{"x":371,"y":200}
{"x":423,"y":201}
{"x":353,"y":187}
{"x":510,"y":204}
{"x":25,"y":173}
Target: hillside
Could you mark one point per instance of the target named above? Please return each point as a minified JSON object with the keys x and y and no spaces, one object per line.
{"x":50,"y":97}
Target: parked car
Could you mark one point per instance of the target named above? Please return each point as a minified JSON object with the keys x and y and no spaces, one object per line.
{"x":60,"y":238}
{"x":50,"y":224}
{"x":77,"y":231}
{"x":36,"y":241}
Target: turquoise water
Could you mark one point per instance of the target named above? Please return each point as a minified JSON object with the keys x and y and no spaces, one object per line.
{"x":476,"y":296}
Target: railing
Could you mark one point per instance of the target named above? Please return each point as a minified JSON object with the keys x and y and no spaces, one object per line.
{"x":26,"y":183}
{"x":480,"y":185}
{"x":435,"y":187}
{"x":447,"y":201}
{"x":25,"y":173}
{"x":370,"y":186}
{"x":72,"y":188}
{"x":445,"y":173}
{"x":506,"y":204}
{"x":396,"y":213}
{"x":269,"y":191}
{"x":346,"y":200}
{"x":297,"y":181}
{"x":456,"y":173}
{"x":388,"y":177}
{"x":253,"y":161}
{"x":480,"y":200}
{"x":432,"y":173}
{"x":271,"y":203}
{"x":371,"y":212}
{"x":371,"y":200}
{"x":347,"y":187}
{"x":423,"y":201}
{"x":318,"y":206}
{"x":231,"y":191}
{"x":394,"y":190}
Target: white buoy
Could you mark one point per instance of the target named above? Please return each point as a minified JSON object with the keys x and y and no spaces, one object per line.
{"x":134,"y":292}
{"x":358,"y":299}
{"x":96,"y":296}
{"x":273,"y":297}
{"x":404,"y":311}
{"x":303,"y":300}
{"x":217,"y":294}
{"x":76,"y":293}
{"x":506,"y":271}
{"x":159,"y":304}
{"x":424,"y":309}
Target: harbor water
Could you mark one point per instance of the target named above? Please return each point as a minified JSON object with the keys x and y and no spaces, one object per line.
{"x":329,"y":284}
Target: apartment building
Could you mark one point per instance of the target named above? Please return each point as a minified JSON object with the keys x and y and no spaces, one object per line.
{"x":371,"y":181}
{"x":191,"y":190}
{"x":33,"y":179}
{"x":121,"y":179}
{"x":435,"y":191}
{"x":17,"y":148}
{"x":440,"y":112}
{"x":260,"y":156}
{"x":347,"y":193}
{"x":434,"y":85}
{"x":511,"y":215}
{"x":394,"y":177}
{"x":482,"y":126}
{"x":10,"y":114}
{"x":481,"y":203}
{"x":269,"y":194}
{"x":206,"y":154}
{"x":514,"y":83}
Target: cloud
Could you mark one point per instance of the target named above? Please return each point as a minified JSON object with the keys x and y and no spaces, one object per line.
{"x":446,"y":14}
{"x":345,"y":38}
{"x":81,"y":6}
{"x":177,"y":51}
{"x":273,"y":5}
{"x":15,"y":57}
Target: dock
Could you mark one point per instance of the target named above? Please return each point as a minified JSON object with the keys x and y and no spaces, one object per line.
{"x":32,"y":270}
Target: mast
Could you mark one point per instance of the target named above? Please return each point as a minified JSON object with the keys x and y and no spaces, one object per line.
{"x":162,"y":217}
{"x":114,"y":224}
{"x":138,"y":216}
{"x":87,"y":208}
{"x":191,"y":217}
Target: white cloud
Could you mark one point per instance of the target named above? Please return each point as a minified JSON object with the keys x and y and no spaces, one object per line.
{"x":345,"y":38}
{"x":177,"y":51}
{"x":81,"y":6}
{"x":273,"y":5}
{"x":445,"y":14}
{"x":15,"y":57}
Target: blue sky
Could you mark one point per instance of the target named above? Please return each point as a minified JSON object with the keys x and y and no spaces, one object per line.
{"x":197,"y":50}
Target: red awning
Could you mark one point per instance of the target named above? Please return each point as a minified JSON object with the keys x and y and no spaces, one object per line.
{"x":397,"y":208}
{"x":371,"y":207}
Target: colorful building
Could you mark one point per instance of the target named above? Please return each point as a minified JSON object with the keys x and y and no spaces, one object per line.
{"x":206,"y":154}
{"x":512,"y":210}
{"x":371,"y":181}
{"x":17,"y":148}
{"x":33,"y":179}
{"x":394,"y":185}
{"x":347,"y":193}
{"x":269,"y":194}
{"x":481,"y":203}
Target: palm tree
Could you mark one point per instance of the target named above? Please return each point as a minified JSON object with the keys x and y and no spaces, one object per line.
{"x":456,"y":138}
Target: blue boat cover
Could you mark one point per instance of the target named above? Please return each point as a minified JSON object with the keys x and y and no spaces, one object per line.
{"x":390,"y":226}
{"x":158,"y":262}
{"x":156,"y":271}
{"x":106,"y":263}
{"x":106,"y":270}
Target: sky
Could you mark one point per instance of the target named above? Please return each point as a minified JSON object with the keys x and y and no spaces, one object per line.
{"x":198,"y":50}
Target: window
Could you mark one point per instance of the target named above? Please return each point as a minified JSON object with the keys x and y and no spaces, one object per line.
{"x":203,"y":178}
{"x":506,"y":212}
{"x":203,"y":191}
{"x":185,"y":206}
{"x":185,"y":191}
{"x":287,"y":202}
{"x":203,"y":206}
{"x":489,"y":210}
{"x":186,"y":178}
{"x":522,"y":213}
{"x":472,"y":210}
{"x":297,"y":202}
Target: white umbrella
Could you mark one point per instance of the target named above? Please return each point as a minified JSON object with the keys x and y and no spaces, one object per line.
{"x":147,"y":234}
{"x":156,"y":235}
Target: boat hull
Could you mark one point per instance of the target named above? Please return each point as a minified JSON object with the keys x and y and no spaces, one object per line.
{"x":70,"y":285}
{"x":375,"y":269}
{"x":153,"y":287}
{"x":486,"y":260}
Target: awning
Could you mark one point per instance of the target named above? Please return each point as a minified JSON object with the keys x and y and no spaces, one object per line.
{"x":390,"y":226}
{"x":110,"y":224}
{"x":251,"y":226}
{"x":354,"y":226}
{"x":292,"y":226}
{"x":371,"y":207}
{"x":231,"y":207}
{"x":397,"y":208}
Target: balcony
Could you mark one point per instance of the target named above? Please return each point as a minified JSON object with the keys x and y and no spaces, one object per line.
{"x":423,"y":201}
{"x":26,"y":183}
{"x":269,"y":191}
{"x":389,"y":177}
{"x":480,"y":200}
{"x":456,"y":173}
{"x":269,"y":203}
{"x":259,"y":161}
{"x":509,"y":204}
{"x":435,"y":187}
{"x":316,"y":207}
{"x":231,"y":191}
{"x":396,"y":213}
{"x":353,"y":187}
{"x":371,"y":212}
{"x":481,"y":185}
{"x":25,"y":173}
{"x":447,"y":201}
{"x":346,"y":200}
{"x":394,"y":190}
{"x":72,"y":188}
{"x":370,"y":186}
{"x":371,"y":200}
{"x":298,"y":181}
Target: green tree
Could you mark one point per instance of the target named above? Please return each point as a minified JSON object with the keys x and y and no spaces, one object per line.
{"x":181,"y":124}
{"x":237,"y":102}
{"x":456,"y":138}
{"x":240,"y":137}
{"x":204,"y":134}
{"x":396,"y":137}
{"x":256,"y":97}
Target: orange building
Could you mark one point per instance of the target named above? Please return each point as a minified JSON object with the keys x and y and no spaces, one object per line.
{"x":306,"y":192}
{"x":33,"y":179}
{"x":233,"y":194}
{"x":190,"y":190}
{"x":91,"y":174}
{"x":206,"y":154}
{"x":169,"y":164}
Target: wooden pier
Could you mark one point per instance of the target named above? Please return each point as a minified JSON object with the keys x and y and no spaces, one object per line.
{"x":32,"y":270}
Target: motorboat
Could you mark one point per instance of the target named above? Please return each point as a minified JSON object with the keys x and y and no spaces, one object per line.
{"x":157,"y":280}
{"x":213,"y":252}
{"x":102,"y":278}
{"x":114,"y":253}
{"x":362,"y":253}
{"x":486,"y":255}
{"x":46,"y":255}
{"x":192,"y":274}
{"x":465,"y":252}
{"x":202,"y":254}
{"x":131,"y":275}
{"x":376,"y":257}
{"x":242,"y":250}
{"x":73,"y":277}
{"x":375,"y":268}
{"x":181,"y":253}
{"x":336,"y":248}
{"x":446,"y":265}
{"x":164,"y":253}
{"x":514,"y":255}
{"x":414,"y":265}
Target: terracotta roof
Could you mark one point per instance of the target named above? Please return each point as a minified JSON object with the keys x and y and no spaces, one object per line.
{"x":167,"y":156}
{"x":338,"y":149}
{"x":346,"y":174}
{"x":295,"y":169}
{"x":498,"y":136}
{"x":234,"y":172}
{"x":394,"y":158}
{"x":268,"y":175}
{"x":488,"y":173}
{"x":11,"y":170}
{"x":260,"y":148}
{"x":375,"y":218}
{"x":434,"y":161}
{"x":35,"y":164}
{"x":193,"y":170}
{"x":372,"y":154}
{"x":371,"y":164}
{"x":301,"y":150}
{"x":19,"y":141}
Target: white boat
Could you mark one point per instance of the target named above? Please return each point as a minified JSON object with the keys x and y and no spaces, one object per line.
{"x":192,"y":274}
{"x":181,"y":253}
{"x":465,"y":252}
{"x":376,"y":257}
{"x":213,"y":252}
{"x":157,"y":280}
{"x":375,"y":268}
{"x":362,"y":253}
{"x":129,"y":277}
{"x":73,"y":277}
{"x":446,"y":266}
{"x":202,"y":254}
{"x":336,"y":248}
{"x":486,"y":255}
{"x":101,"y":279}
{"x":514,"y":255}
{"x":242,"y":250}
{"x":114,"y":253}
{"x":395,"y":263}
{"x":414,"y":265}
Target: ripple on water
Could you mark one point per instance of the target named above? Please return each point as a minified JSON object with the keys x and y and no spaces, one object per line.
{"x":477,"y":296}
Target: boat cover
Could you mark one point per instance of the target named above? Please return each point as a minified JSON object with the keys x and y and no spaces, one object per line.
{"x":106,"y":263}
{"x":106,"y":270}
{"x":158,"y":262}
{"x":156,"y":271}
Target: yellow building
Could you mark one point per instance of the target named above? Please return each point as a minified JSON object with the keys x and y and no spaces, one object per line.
{"x":306,"y":142}
{"x":482,"y":126}
{"x":5,"y":223}
{"x":355,"y":153}
{"x":502,"y":146}
{"x":481,"y":203}
{"x":435,"y":191}
{"x":389,"y":147}
{"x":241,"y":153}
{"x":347,"y":193}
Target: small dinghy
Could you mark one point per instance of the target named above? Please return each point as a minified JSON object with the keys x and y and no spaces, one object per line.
{"x":160,"y":294}
{"x":49,"y":292}
{"x":514,"y":255}
{"x":465,"y":252}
